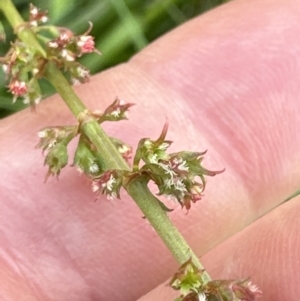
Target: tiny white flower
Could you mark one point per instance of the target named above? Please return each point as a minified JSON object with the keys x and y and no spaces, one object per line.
{"x":34,"y":11}
{"x":183,"y":166}
{"x":81,"y":172}
{"x":177,"y":160}
{"x":14,"y":98}
{"x":26,"y":100}
{"x":44,"y":19}
{"x":179,"y":163}
{"x":169,"y":182}
{"x":116,"y":113}
{"x":51,"y":144}
{"x":83,"y":39}
{"x":109,"y":183}
{"x":163,"y":146}
{"x":168,"y":169}
{"x":37,"y":100}
{"x":35,"y":71}
{"x":65,"y":53}
{"x":80,"y":43}
{"x":75,"y":82}
{"x":124,"y":149}
{"x":202,"y":297}
{"x":153,"y":158}
{"x":95,"y":187}
{"x":196,"y":189}
{"x":64,"y":37}
{"x":126,"y":114}
{"x":34,"y":23}
{"x":52,"y":44}
{"x":94,"y":168}
{"x":179,"y":185}
{"x":112,"y":196}
{"x":5,"y":68}
{"x":148,"y":144}
{"x":82,"y":72}
{"x":42,"y":134}
{"x":253,"y":287}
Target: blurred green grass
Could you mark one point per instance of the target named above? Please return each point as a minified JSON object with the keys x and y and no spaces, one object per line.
{"x":121,"y":28}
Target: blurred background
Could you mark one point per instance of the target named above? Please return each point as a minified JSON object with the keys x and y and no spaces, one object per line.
{"x":121,"y":28}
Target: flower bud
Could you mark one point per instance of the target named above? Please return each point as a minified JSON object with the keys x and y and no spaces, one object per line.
{"x":246,"y":290}
{"x":17,"y":88}
{"x":85,"y":43}
{"x":187,"y":279}
{"x":151,"y":152}
{"x":56,"y":159}
{"x":239,"y":290}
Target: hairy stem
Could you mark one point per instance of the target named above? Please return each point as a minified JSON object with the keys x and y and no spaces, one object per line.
{"x":112,"y":159}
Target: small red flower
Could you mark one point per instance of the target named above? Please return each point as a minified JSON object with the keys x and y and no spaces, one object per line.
{"x":17,"y":88}
{"x":86,"y":44}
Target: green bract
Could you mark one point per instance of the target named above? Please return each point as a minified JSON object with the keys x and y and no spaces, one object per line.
{"x":85,"y":159}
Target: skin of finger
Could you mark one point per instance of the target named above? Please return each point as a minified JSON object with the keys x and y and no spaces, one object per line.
{"x":61,"y":244}
{"x":268,"y":249}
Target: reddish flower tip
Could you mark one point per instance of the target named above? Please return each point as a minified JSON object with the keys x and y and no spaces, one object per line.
{"x":17,"y":87}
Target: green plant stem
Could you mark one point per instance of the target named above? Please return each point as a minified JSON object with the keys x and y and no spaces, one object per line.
{"x":15,"y":19}
{"x":111,"y":156}
{"x":112,"y":159}
{"x":159,"y":220}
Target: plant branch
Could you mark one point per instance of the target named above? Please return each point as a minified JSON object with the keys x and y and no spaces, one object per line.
{"x":112,"y":159}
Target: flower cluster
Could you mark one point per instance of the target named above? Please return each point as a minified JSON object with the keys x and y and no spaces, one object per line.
{"x":51,"y":136}
{"x":54,"y":141}
{"x":178,"y":175}
{"x":188,"y":280}
{"x":109,"y":184}
{"x":24,"y":66}
{"x":117,"y":111}
{"x":174,"y":174}
{"x":69,"y":46}
{"x":21,"y":65}
{"x":66,"y":47}
{"x":37,"y":17}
